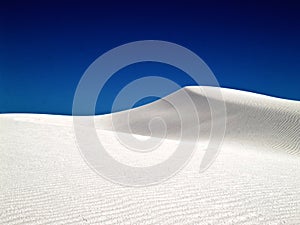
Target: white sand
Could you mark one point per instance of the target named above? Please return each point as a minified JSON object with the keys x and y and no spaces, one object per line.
{"x":254,"y":180}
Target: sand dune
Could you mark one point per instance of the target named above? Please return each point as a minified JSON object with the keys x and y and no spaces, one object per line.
{"x":254,"y":180}
{"x":254,"y":119}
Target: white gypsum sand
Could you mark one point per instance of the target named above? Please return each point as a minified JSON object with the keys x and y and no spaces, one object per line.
{"x":254,"y":180}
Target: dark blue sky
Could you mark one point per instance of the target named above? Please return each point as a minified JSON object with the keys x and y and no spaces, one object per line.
{"x":46,"y":47}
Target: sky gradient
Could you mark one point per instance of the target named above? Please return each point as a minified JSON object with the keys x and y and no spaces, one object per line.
{"x":46,"y":47}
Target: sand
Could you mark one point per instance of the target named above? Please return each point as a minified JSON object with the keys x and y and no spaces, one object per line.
{"x":254,"y":179}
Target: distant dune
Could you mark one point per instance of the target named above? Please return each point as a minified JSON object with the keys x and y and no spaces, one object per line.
{"x":255,"y":178}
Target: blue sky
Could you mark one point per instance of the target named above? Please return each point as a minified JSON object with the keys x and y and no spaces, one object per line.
{"x":46,"y":47}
